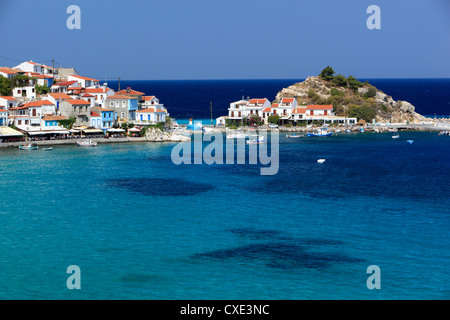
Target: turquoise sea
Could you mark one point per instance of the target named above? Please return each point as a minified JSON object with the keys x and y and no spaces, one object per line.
{"x":140,"y":227}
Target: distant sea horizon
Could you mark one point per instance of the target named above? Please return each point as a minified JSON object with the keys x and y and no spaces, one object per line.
{"x":186,"y":99}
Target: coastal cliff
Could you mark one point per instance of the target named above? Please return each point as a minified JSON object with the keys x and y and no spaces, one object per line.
{"x":351,"y":98}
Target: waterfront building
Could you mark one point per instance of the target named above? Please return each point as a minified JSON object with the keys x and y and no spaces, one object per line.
{"x":125,"y":106}
{"x":132,"y":93}
{"x":30,"y":66}
{"x":107,"y":117}
{"x":78,"y":108}
{"x":3,"y":117}
{"x":51,"y":121}
{"x":57,"y":98}
{"x":151,"y":116}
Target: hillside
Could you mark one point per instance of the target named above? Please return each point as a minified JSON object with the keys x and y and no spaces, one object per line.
{"x":351,"y":98}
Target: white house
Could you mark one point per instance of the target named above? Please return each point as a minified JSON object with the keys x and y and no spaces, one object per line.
{"x":3,"y":117}
{"x":7,"y":72}
{"x":30,"y":66}
{"x":57,"y":98}
{"x":26,"y":91}
{"x":96,"y":120}
{"x":89,"y":98}
{"x":150,"y":115}
{"x":7,"y":102}
{"x":299,"y":114}
{"x":85,"y":82}
{"x":100,"y":94}
{"x":63,"y":86}
{"x":319,"y":110}
{"x":243,"y":108}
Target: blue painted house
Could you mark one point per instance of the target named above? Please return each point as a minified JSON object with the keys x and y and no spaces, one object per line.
{"x":52,"y":121}
{"x":107,"y":117}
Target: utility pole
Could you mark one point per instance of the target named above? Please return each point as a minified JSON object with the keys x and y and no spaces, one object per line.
{"x":210,"y":107}
{"x":119,"y":84}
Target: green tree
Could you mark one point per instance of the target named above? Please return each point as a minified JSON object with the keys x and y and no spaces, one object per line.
{"x":67,"y":123}
{"x":20,"y":80}
{"x":371,"y":92}
{"x":5,"y":86}
{"x":327,"y":73}
{"x":340,"y":80}
{"x":273,"y":119}
{"x":353,"y":83}
{"x":362,"y":112}
{"x":42,"y":89}
{"x":336,"y":92}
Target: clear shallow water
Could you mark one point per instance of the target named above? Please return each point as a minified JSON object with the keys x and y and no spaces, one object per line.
{"x":141,"y":227}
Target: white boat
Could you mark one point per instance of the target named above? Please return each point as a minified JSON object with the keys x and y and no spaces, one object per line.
{"x":31,"y":146}
{"x":410,"y":141}
{"x":48,"y":149}
{"x":322,"y":132}
{"x":237,"y":135}
{"x":256,"y":139}
{"x":321,"y":160}
{"x":87,"y":143}
{"x":294,"y":136}
{"x":396,"y":136}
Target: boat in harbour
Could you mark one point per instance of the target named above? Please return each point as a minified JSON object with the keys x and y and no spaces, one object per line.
{"x":396,"y":136}
{"x":294,"y":136}
{"x":256,"y":139}
{"x":87,"y":143}
{"x":322,"y":132}
{"x":31,"y":146}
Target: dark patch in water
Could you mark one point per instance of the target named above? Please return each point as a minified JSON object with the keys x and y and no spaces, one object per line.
{"x":161,"y":187}
{"x":281,"y":256}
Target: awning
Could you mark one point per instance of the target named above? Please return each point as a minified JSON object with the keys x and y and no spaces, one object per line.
{"x":115,"y":130}
{"x":92,"y":131}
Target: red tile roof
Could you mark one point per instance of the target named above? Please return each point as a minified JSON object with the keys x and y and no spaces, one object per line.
{"x":87,"y":95}
{"x":275,"y":105}
{"x":258,"y":101}
{"x":76,"y":102}
{"x":7,"y":70}
{"x":299,"y":110}
{"x":84,"y":78}
{"x":268,"y":109}
{"x":150,"y":110}
{"x":94,"y":114}
{"x":39,"y":103}
{"x":62,"y":96}
{"x":8,"y":98}
{"x":54,"y":118}
{"x":97,"y":90}
{"x":320,"y":107}
{"x":1,"y":110}
{"x":148,"y":98}
{"x":130,"y":92}
{"x":287,"y":100}
{"x":119,"y":96}
{"x":65,"y":83}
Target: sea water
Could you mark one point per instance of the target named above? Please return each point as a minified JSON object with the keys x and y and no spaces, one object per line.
{"x":140,"y":227}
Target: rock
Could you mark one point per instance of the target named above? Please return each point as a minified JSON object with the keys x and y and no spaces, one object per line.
{"x":156,"y":135}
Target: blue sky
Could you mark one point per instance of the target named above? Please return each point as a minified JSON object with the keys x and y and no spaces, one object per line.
{"x":231,"y":39}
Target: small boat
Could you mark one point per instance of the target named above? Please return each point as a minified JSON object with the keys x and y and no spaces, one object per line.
{"x":444,"y":133}
{"x":87,"y":143}
{"x":320,"y":133}
{"x":48,"y":149}
{"x":396,"y":136}
{"x":32,"y":146}
{"x":410,"y":141}
{"x":321,"y":160}
{"x":237,"y":135}
{"x":294,"y":136}
{"x":256,"y":139}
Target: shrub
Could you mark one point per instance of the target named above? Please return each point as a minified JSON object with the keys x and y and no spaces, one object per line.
{"x":371,"y":92}
{"x":273,"y":119}
{"x":336,"y":92}
{"x":340,"y":80}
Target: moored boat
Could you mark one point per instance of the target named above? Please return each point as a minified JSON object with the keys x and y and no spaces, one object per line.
{"x":32,"y":146}
{"x":294,"y":136}
{"x":256,"y":139}
{"x":322,"y":132}
{"x":396,"y":136}
{"x":87,"y":143}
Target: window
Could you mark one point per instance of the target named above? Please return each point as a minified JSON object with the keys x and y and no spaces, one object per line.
{"x":117,"y":103}
{"x":19,"y":122}
{"x":112,"y":104}
{"x":123,"y":104}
